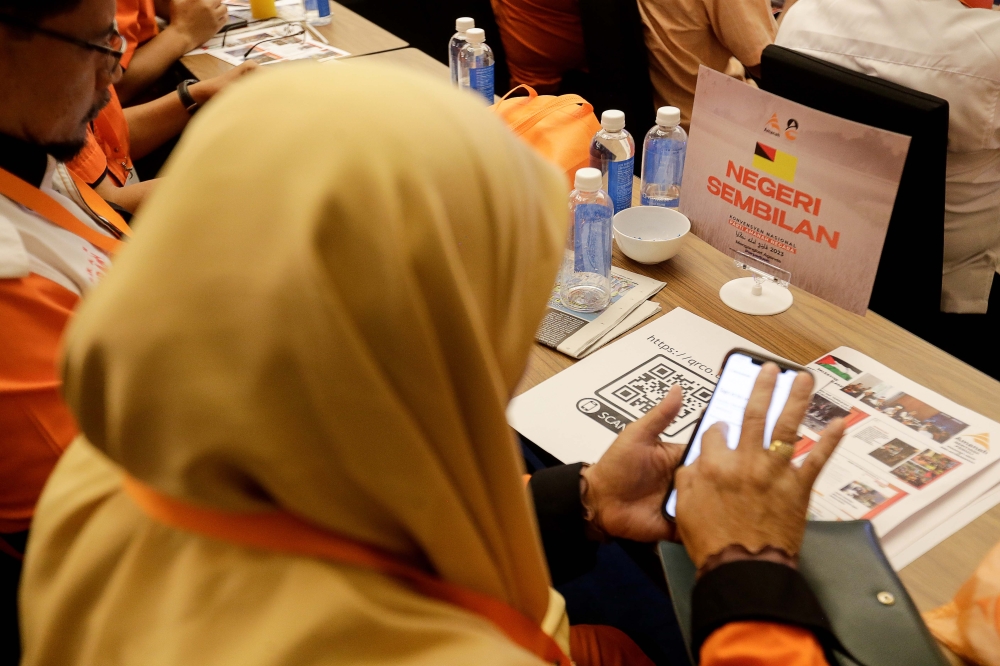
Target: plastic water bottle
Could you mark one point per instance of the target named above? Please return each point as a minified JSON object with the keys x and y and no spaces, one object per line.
{"x":475,"y":65}
{"x":663,"y":159}
{"x":613,"y":152}
{"x":586,"y":269}
{"x":317,"y":12}
{"x":458,"y":40}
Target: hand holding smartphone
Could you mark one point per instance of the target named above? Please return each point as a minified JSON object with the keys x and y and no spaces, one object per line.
{"x":728,"y":404}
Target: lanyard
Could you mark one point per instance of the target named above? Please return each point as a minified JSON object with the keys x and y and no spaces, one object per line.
{"x":39,"y":202}
{"x":282,"y":532}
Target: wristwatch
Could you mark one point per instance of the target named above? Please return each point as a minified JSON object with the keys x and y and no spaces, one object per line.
{"x":186,"y":99}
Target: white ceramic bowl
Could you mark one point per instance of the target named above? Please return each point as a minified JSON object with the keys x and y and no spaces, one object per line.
{"x":651,"y":234}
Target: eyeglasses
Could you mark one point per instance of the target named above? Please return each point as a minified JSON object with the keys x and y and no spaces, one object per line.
{"x":114,"y":48}
{"x":291,"y":37}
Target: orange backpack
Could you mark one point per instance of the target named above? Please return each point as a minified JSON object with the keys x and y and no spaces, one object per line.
{"x":560,"y":128}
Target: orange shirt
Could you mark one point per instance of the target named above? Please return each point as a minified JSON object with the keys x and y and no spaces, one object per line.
{"x":137,"y":23}
{"x":542,"y":40}
{"x":107,"y":149}
{"x":35,"y":423}
{"x":761,"y":644}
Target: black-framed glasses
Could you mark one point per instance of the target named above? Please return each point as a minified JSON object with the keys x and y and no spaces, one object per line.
{"x":115,"y":47}
{"x":301,"y":33}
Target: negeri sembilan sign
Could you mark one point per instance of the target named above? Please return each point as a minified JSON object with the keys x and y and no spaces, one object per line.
{"x":797,"y":188}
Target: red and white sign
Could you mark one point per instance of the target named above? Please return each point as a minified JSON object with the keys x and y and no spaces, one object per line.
{"x":797,"y":188}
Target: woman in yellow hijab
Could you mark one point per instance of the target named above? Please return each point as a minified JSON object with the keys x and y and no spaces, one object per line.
{"x":332,"y":298}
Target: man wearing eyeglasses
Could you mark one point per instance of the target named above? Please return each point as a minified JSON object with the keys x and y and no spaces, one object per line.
{"x":57,"y":61}
{"x":118,"y":136}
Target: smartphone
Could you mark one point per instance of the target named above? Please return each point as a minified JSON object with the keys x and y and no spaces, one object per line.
{"x":729,"y":402}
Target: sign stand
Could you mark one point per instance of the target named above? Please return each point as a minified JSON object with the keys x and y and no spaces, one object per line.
{"x":764,"y":293}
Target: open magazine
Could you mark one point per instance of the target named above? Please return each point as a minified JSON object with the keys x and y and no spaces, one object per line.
{"x":577,"y":334}
{"x":906,"y":450}
{"x":268,"y":42}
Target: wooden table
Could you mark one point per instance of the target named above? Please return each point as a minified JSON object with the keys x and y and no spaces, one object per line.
{"x":348,"y":31}
{"x":414,"y":59}
{"x":810,"y":328}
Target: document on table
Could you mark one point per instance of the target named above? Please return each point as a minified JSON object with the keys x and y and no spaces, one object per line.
{"x":578,"y":334}
{"x":910,"y":459}
{"x":269,"y":43}
{"x":916,"y":464}
{"x":576,"y":414}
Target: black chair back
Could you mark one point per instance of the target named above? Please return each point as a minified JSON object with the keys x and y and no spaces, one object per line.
{"x":907,"y":286}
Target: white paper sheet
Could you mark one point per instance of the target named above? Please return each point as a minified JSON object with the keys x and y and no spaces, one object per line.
{"x":577,"y":414}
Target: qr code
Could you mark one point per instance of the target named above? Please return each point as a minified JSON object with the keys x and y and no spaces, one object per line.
{"x":640,"y":389}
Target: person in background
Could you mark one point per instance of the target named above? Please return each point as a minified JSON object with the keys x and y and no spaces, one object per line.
{"x":282,"y":463}
{"x":151,"y":52}
{"x":117,"y":136}
{"x":959,"y":61}
{"x":683,"y":35}
{"x":57,"y":61}
{"x":542,"y":42}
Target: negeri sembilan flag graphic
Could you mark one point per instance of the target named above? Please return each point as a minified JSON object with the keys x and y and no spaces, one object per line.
{"x":773,"y":161}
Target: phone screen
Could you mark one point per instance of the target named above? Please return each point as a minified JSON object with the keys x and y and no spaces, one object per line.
{"x":728,"y":403}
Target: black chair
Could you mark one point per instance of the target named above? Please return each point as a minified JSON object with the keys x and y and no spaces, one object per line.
{"x":907,"y":286}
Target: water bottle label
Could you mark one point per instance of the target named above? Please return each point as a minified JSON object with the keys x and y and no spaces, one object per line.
{"x":324,"y":7}
{"x":481,"y":80}
{"x":592,"y":251}
{"x":620,"y":183}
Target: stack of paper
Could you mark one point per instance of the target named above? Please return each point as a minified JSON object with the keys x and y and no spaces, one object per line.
{"x":269,"y":42}
{"x":916,"y":464}
{"x":577,"y":334}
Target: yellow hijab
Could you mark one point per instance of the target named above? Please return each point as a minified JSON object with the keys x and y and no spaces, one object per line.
{"x":328,"y":302}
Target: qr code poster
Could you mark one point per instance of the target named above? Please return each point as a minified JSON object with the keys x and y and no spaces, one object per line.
{"x":641,"y":388}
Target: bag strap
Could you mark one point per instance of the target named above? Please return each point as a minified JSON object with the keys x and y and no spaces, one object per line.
{"x":39,"y":202}
{"x":545,"y":109}
{"x":282,"y":532}
{"x":548,"y":108}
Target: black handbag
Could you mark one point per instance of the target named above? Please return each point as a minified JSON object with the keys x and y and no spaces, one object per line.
{"x":867,"y":606}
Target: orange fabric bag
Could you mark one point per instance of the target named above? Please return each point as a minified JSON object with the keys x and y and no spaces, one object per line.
{"x":560,"y":128}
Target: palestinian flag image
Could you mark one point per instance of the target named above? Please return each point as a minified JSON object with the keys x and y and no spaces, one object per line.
{"x":841,"y":368}
{"x":773,"y":161}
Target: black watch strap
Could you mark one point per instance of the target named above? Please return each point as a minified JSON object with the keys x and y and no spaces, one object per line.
{"x":186,"y":99}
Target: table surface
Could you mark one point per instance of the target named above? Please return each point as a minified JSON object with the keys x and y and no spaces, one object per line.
{"x":347,"y":30}
{"x":810,"y":328}
{"x":409,"y":58}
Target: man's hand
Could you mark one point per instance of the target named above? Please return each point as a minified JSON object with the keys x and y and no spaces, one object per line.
{"x":625,"y":489}
{"x":752,"y":497}
{"x":198,"y":20}
{"x":207,"y":89}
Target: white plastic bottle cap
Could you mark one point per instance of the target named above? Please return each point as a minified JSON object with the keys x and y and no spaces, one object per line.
{"x":668,"y":116}
{"x":588,"y":179}
{"x":613,"y":120}
{"x":475,"y":35}
{"x":463,"y":24}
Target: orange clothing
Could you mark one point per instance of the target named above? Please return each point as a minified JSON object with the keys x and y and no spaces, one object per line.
{"x":36,"y":424}
{"x":108,"y":149}
{"x":137,"y":23}
{"x":683,"y":34}
{"x":599,"y":645}
{"x":761,"y":644}
{"x":542,"y":40}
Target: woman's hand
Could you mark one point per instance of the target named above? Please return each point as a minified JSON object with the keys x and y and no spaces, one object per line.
{"x":623,"y":492}
{"x":752,"y":497}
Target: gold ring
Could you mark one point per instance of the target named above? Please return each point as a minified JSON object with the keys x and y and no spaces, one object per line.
{"x":783,"y":449}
